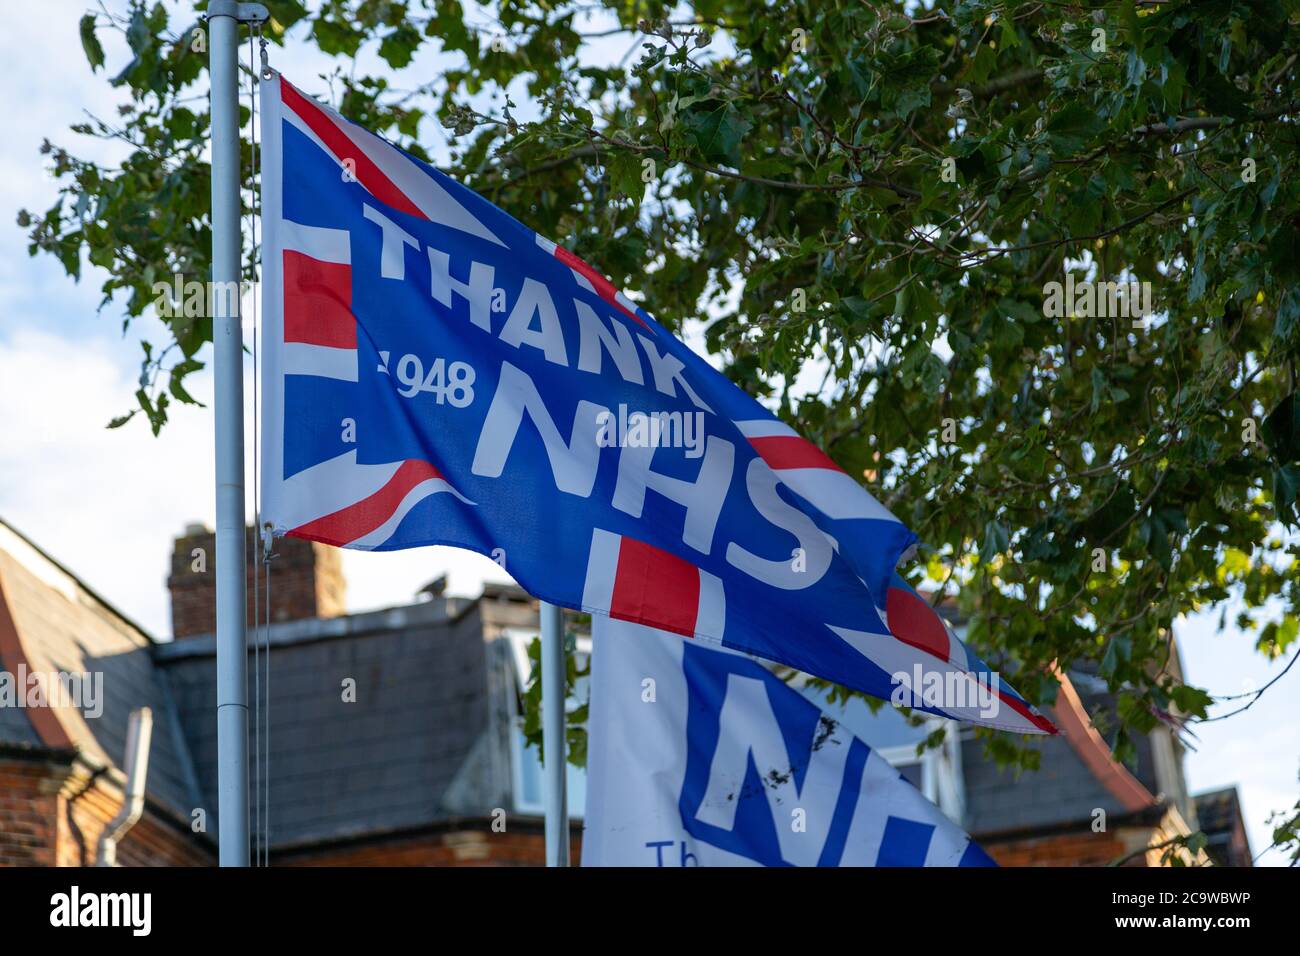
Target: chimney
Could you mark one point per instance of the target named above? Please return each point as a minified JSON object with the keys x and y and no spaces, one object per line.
{"x":306,"y":581}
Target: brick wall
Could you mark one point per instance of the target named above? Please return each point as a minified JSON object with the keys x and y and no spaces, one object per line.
{"x":153,"y":841}
{"x":28,"y":814}
{"x":53,"y":813}
{"x":471,"y":843}
{"x":307,"y":581}
{"x":1069,"y":849}
{"x":1082,"y":847}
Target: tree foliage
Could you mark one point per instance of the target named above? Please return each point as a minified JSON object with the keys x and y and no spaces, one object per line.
{"x":877,"y":193}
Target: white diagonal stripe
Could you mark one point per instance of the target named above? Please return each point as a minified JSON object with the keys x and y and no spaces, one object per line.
{"x":328,"y":487}
{"x":425,"y":489}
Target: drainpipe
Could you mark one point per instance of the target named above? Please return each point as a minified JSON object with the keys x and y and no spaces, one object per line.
{"x":138,"y":735}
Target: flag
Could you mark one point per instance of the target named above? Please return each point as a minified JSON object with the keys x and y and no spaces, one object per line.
{"x":436,"y":373}
{"x":698,"y":756}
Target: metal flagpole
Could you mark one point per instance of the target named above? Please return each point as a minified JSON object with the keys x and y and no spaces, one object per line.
{"x":554,"y":780}
{"x":224,"y":18}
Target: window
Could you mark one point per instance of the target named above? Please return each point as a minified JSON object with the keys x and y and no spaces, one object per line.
{"x":525,"y":761}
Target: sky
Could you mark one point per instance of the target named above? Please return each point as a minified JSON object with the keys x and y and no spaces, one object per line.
{"x":107,"y":504}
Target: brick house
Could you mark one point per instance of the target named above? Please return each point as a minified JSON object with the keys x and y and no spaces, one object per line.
{"x":394,"y":735}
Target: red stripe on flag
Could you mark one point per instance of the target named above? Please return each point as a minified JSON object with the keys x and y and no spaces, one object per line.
{"x":791,"y":451}
{"x":604,"y":288}
{"x":915,"y":623}
{"x":341,"y":145}
{"x":918,"y":625}
{"x":655,"y":588}
{"x":1023,"y":709}
{"x":355,"y":521}
{"x":318,"y":302}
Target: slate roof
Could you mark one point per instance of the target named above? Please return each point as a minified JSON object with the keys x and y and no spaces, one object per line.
{"x":16,"y":730}
{"x":387,"y":759}
{"x":1062,"y":790}
{"x":63,"y":626}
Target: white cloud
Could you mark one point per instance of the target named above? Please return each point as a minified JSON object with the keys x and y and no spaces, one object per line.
{"x":104,"y":502}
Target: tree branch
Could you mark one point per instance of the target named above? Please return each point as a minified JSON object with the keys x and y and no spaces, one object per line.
{"x":1213,"y":122}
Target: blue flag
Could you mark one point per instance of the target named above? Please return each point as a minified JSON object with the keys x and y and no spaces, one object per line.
{"x":436,"y":373}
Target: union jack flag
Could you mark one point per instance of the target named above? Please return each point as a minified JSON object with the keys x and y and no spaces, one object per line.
{"x":435,"y":372}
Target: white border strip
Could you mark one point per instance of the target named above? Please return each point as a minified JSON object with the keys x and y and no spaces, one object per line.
{"x":320,"y":361}
{"x":602,"y":567}
{"x":271,"y":349}
{"x":317,"y":242}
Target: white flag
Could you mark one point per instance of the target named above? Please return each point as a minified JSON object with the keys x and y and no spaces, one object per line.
{"x":701,"y":757}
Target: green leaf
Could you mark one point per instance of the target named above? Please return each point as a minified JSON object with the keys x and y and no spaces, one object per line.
{"x":717,"y":132}
{"x":1191,"y":701}
{"x":996,"y":540}
{"x":121,"y":420}
{"x":1071,"y":128}
{"x":1281,"y":430}
{"x":1100,"y":390}
{"x":624,"y":169}
{"x":398,"y":48}
{"x":1119,"y":650}
{"x":912,"y":98}
{"x":1286,"y":325}
{"x":90,"y":43}
{"x":1286,"y":485}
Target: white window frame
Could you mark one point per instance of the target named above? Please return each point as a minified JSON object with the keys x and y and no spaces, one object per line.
{"x":941,"y":777}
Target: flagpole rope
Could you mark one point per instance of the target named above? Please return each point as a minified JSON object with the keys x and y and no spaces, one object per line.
{"x":266,"y":688}
{"x":268,"y":541}
{"x":262,"y":552}
{"x":257,"y":519}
